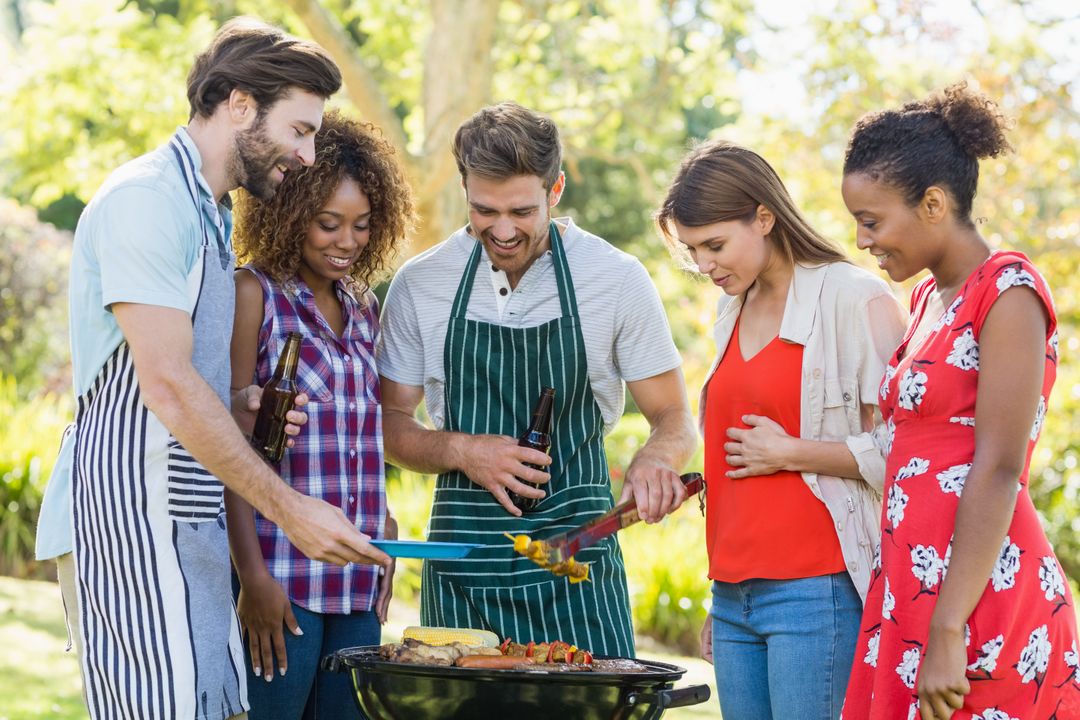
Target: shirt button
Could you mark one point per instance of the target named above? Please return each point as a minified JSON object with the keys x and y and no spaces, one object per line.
{"x":352,"y":453}
{"x":853,"y":565}
{"x":348,"y":358}
{"x":847,"y":397}
{"x":352,"y":499}
{"x":817,"y":372}
{"x":839,"y":526}
{"x":503,"y":291}
{"x":352,"y":406}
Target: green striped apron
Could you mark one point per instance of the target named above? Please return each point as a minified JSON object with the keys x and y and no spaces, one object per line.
{"x":493,"y":379}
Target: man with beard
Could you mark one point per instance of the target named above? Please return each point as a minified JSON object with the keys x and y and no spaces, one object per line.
{"x":151,"y":321}
{"x":476,"y":326}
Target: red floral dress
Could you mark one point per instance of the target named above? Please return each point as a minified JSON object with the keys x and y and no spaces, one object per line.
{"x":1021,"y":637}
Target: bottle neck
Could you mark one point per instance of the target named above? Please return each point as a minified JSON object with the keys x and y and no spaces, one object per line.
{"x":541,"y":419}
{"x":290,"y":358}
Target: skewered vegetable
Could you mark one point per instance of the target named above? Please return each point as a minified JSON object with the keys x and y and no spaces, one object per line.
{"x":540,"y":553}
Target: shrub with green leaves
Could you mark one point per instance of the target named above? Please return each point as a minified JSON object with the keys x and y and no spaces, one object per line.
{"x":29,"y":440}
{"x":34,"y":261}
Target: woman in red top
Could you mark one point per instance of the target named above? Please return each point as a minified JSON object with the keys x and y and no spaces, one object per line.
{"x":802,"y":340}
{"x":968,"y":614}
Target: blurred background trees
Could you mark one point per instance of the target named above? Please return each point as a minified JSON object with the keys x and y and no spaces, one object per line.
{"x":88,"y":84}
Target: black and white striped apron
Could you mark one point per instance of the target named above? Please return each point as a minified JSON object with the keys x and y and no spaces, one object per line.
{"x":151,"y":550}
{"x":493,"y":379}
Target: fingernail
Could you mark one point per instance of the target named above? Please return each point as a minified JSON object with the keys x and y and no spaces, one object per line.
{"x":282,"y":671}
{"x":299,"y":631}
{"x":269,"y":676}
{"x":257,"y":671}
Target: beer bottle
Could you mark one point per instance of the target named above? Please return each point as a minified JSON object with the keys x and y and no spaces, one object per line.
{"x":278,"y":397}
{"x":537,"y":437}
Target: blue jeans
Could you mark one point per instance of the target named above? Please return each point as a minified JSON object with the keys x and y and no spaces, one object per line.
{"x":305,"y":691}
{"x":783,"y":648}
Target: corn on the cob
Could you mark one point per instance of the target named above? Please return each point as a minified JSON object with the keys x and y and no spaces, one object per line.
{"x":445,"y":636}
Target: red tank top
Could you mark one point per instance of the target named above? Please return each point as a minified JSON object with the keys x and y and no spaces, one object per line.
{"x":768,"y":526}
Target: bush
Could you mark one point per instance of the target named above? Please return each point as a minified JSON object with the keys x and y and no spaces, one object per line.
{"x":34,"y":261}
{"x":29,"y":440}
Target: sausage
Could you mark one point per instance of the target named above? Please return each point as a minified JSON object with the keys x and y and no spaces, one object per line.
{"x":490,"y":662}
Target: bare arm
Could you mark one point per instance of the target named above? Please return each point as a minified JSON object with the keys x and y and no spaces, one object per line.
{"x":653,"y":476}
{"x":1011,"y":363}
{"x":161,"y":344}
{"x":494,"y":462}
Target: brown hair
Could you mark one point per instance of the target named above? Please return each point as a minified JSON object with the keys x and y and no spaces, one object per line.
{"x":935,"y":141}
{"x":270,"y":234}
{"x":507,"y":140}
{"x":719,"y":181}
{"x":247,"y":54}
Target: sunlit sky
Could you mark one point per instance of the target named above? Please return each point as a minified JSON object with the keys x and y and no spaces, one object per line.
{"x":785,"y":41}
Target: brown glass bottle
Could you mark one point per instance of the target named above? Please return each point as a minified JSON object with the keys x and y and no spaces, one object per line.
{"x":268,"y":438}
{"x":537,"y":437}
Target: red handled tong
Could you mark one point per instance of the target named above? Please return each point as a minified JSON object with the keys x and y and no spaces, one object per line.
{"x":563,"y":547}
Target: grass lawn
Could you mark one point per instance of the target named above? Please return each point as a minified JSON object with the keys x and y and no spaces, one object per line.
{"x":39,"y":680}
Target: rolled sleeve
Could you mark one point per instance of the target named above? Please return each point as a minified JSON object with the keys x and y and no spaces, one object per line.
{"x":400,"y":353}
{"x":643,"y":346}
{"x":868,"y":449}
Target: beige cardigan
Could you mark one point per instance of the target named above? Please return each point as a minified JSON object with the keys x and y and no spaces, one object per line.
{"x":849,"y":323}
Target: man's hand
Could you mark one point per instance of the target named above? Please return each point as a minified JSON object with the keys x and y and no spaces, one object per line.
{"x":263,"y":609}
{"x":497,"y":464}
{"x":760,"y":449}
{"x":245,"y":407}
{"x":322,"y":532}
{"x":655,"y":487}
{"x":943,"y":680}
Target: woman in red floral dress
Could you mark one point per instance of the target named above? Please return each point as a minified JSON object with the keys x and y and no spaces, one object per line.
{"x":968,"y":615}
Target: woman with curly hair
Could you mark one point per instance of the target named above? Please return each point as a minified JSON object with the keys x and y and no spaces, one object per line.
{"x":312,"y":254}
{"x":968,"y":615}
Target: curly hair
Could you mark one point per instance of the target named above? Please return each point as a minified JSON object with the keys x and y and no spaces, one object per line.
{"x":935,"y":141}
{"x":270,"y":234}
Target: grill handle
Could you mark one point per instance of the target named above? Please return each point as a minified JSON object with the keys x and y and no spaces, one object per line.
{"x":331,"y":663}
{"x":690,"y":695}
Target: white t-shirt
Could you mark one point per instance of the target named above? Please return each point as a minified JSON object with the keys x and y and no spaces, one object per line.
{"x":626,"y":332}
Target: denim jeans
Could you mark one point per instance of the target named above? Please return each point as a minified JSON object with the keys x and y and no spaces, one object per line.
{"x":783,"y":648}
{"x":305,"y":691}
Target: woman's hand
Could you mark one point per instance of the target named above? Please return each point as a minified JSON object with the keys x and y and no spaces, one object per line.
{"x":245,"y":407}
{"x":761,"y":449}
{"x":386,"y":575}
{"x":943,"y":681}
{"x":263,"y":609}
{"x":706,"y":639}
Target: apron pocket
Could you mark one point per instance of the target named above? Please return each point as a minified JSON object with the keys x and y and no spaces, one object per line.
{"x":194,"y":494}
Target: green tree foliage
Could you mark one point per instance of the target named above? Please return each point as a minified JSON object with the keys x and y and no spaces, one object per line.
{"x":33,"y":298}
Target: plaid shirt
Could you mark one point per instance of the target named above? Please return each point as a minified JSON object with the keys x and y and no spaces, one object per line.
{"x":338,"y":456}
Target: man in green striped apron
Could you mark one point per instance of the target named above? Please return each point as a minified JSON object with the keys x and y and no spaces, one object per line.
{"x":476,"y":326}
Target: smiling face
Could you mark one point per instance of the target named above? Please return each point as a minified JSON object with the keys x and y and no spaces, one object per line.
{"x":278,"y":140}
{"x":337,"y":236}
{"x":895,"y":233}
{"x":510,"y":217}
{"x":733,"y":253}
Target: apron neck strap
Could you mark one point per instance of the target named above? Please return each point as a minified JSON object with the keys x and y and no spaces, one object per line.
{"x":567,"y":299}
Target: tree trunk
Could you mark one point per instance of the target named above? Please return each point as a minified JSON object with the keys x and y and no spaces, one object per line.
{"x":458,"y":72}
